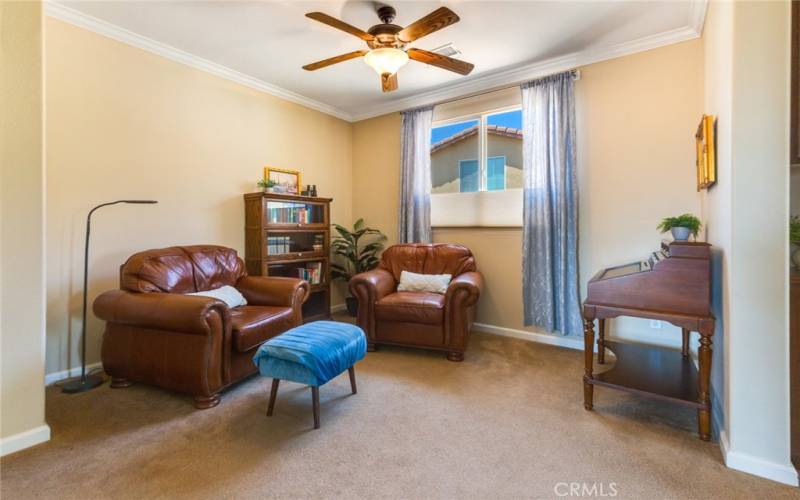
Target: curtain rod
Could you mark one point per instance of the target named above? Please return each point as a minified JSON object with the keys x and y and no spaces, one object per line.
{"x":576,"y":75}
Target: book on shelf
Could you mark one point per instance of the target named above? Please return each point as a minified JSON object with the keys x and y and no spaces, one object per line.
{"x":277,"y":245}
{"x":311,"y":273}
{"x":293,"y":214}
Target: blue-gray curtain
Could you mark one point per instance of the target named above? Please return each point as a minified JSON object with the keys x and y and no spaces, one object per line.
{"x":415,"y":175}
{"x":550,"y":206}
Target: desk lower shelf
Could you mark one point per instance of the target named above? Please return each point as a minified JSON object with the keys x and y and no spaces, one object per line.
{"x":654,"y":372}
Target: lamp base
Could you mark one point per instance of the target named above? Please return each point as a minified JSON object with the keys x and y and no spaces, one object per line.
{"x":79,"y":384}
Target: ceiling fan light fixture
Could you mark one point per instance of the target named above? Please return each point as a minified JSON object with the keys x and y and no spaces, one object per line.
{"x":386,"y":60}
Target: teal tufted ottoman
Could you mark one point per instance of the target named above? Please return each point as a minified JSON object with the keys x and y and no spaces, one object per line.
{"x":311,"y":354}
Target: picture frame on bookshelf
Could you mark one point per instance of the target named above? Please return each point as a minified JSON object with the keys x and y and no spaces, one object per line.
{"x":286,"y":181}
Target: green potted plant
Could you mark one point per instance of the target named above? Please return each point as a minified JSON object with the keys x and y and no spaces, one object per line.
{"x":794,"y":239}
{"x":267,"y":184}
{"x":355,"y":252}
{"x":681,"y":226}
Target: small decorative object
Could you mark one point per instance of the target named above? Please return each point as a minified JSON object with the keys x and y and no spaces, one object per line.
{"x":681,"y":226}
{"x":313,"y":190}
{"x":354,"y":255}
{"x":794,"y":239}
{"x":706,"y":143}
{"x":286,"y":181}
{"x":267,"y":184}
{"x":87,"y":382}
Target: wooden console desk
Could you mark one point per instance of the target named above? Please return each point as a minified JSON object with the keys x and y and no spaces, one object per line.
{"x":673,"y":285}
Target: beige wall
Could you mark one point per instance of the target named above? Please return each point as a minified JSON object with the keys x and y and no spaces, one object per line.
{"x":747,"y":66}
{"x":125,"y":123}
{"x":636,"y":117}
{"x":22,"y":228}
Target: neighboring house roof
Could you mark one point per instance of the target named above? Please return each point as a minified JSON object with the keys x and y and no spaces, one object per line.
{"x":468,"y":132}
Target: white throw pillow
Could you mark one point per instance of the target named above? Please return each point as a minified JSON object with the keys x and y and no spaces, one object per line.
{"x":413,"y":282}
{"x":227,"y":294}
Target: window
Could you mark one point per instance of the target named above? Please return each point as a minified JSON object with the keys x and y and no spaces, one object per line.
{"x":468,"y":176}
{"x":454,"y":149}
{"x":476,"y":169}
{"x":496,"y":173}
{"x":495,"y":139}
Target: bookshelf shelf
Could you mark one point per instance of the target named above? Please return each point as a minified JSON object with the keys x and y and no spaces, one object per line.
{"x":287,"y":235}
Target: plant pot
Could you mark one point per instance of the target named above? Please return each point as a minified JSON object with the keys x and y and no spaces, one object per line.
{"x":796,"y":257}
{"x":352,"y":306}
{"x":681,"y":233}
{"x":269,"y":190}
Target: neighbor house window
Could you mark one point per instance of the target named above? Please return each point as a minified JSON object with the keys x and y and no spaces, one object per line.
{"x":468,"y":176}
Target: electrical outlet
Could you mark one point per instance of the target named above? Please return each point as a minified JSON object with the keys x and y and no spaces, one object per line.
{"x":655,"y":323}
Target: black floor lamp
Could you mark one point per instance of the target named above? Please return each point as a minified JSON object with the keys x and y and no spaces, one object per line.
{"x":88,"y":382}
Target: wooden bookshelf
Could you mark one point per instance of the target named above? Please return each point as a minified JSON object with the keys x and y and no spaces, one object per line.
{"x":288,"y":235}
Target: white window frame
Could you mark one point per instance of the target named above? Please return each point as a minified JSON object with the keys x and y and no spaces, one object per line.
{"x":483,"y":140}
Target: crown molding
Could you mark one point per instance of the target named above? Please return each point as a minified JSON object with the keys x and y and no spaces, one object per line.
{"x":462,"y":88}
{"x":697,"y":15}
{"x":85,"y":21}
{"x":506,"y":77}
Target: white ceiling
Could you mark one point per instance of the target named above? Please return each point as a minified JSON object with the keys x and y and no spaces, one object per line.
{"x":266,"y":43}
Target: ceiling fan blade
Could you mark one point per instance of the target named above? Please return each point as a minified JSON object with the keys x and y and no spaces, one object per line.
{"x":389,"y":82}
{"x":340,"y":25}
{"x":436,"y":20}
{"x":334,"y":60}
{"x":440,"y":61}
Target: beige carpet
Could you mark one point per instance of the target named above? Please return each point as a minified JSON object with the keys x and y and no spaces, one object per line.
{"x":506,"y":423}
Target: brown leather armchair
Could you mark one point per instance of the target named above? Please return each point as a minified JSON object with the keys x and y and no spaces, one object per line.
{"x":428,"y":320}
{"x":196,"y":345}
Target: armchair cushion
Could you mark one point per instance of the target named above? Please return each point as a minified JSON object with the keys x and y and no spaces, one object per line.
{"x":412,"y":307}
{"x":253,"y":325}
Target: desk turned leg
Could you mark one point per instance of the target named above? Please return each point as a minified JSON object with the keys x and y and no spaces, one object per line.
{"x":704,"y":413}
{"x":588,"y":354}
{"x":601,"y":341}
{"x":685,"y":345}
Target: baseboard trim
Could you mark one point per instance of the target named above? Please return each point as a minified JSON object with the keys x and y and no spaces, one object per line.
{"x":338,"y":308}
{"x":743,"y":462}
{"x":542,"y":338}
{"x":22,"y":440}
{"x":52,"y":378}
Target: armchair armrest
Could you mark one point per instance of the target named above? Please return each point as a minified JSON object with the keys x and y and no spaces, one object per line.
{"x":162,"y":311}
{"x":464,"y":290}
{"x":273,"y":291}
{"x":372,"y":285}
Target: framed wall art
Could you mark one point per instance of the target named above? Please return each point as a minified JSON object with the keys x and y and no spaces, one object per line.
{"x":706,"y":144}
{"x":286,"y":181}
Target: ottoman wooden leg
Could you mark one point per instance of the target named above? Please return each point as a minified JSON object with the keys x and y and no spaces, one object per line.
{"x":352,"y":373}
{"x":273,"y":394}
{"x":315,"y":404}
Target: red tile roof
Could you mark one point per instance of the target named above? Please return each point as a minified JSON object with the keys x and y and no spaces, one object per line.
{"x":468,"y":132}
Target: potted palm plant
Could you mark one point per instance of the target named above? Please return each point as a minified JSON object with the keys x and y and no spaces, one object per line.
{"x":681,"y":226}
{"x":355,"y":251}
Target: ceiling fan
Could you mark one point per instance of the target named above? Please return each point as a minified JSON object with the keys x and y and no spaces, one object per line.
{"x":387,"y":43}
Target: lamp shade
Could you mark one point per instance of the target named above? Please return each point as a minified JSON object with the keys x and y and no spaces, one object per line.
{"x":386,"y":60}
